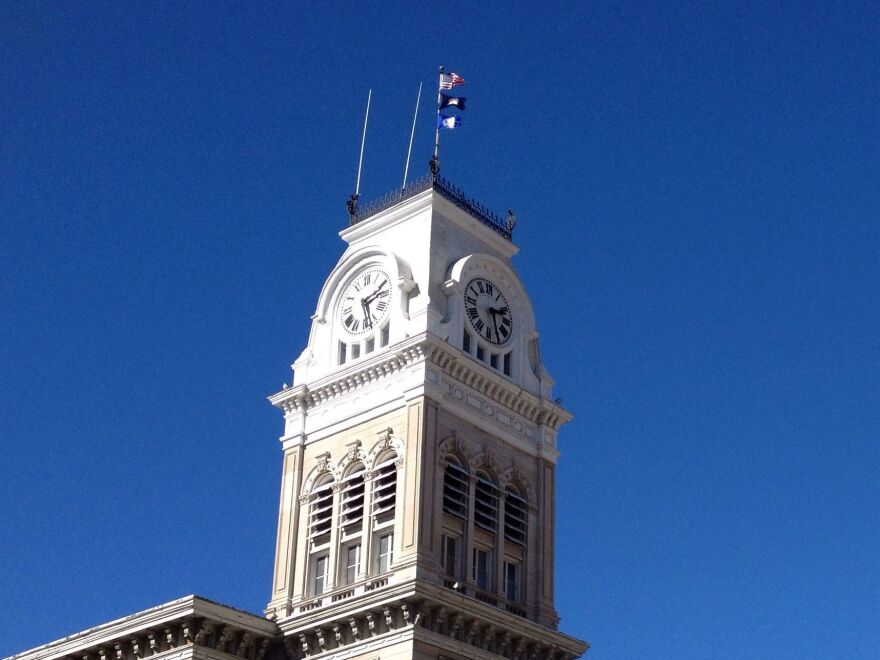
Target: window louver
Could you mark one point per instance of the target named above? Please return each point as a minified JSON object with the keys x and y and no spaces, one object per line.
{"x":455,"y":490}
{"x":515,"y":518}
{"x":486,"y":504}
{"x":321,"y":511}
{"x":384,"y":487}
{"x":352,"y":507}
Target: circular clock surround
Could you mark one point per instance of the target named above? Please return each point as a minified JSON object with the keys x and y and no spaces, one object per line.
{"x":365,"y":302}
{"x":488,"y":311}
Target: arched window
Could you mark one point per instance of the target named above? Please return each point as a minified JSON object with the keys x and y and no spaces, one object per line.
{"x":382,"y":508}
{"x":351,"y":523}
{"x":320,"y":522}
{"x":455,"y":489}
{"x":485,"y":528}
{"x":515,"y":516}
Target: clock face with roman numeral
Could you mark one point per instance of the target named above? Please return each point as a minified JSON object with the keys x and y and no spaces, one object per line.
{"x":365,"y":302}
{"x":488,"y":311}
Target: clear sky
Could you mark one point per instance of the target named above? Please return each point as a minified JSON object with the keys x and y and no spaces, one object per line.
{"x":697,"y":187}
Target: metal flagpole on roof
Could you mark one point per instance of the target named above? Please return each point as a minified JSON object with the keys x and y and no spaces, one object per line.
{"x":353,"y":200}
{"x":435,"y":161}
{"x":411,"y":135}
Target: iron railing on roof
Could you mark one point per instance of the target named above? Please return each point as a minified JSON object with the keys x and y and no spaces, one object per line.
{"x":447,"y":191}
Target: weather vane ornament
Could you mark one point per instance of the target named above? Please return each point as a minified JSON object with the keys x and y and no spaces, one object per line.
{"x":448,"y":81}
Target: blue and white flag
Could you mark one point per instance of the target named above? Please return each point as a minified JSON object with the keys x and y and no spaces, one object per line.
{"x":448,"y":122}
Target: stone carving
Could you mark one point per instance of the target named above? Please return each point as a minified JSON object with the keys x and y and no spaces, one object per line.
{"x":323,"y":462}
{"x":246,"y":641}
{"x":355,"y":628}
{"x":353,"y":448}
{"x":225,"y":638}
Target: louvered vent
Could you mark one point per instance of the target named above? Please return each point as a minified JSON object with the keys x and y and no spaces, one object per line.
{"x":385,"y":488}
{"x":321,"y":511}
{"x":352,"y":507}
{"x":486,"y":504}
{"x":515,"y":517}
{"x":455,"y":490}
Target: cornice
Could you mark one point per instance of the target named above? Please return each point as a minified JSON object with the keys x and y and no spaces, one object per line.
{"x":449,"y":360}
{"x":428,"y":611}
{"x":162,"y":628}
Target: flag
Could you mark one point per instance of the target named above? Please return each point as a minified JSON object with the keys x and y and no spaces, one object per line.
{"x":452,"y":101}
{"x":450,"y":80}
{"x":448,"y":122}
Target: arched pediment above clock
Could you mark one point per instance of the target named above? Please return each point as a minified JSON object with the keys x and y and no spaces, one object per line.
{"x":354,"y":261}
{"x":355,"y":318}
{"x":490,"y":317}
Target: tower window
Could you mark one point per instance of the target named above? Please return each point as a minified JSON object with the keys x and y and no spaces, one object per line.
{"x":507,"y":364}
{"x":352,"y":500}
{"x":466,"y":342}
{"x":481,"y":354}
{"x":355,"y":351}
{"x":515,"y":517}
{"x":320,"y":514}
{"x":481,"y":569}
{"x":342,"y":352}
{"x":486,"y":504}
{"x":383,"y":553}
{"x":352,"y":559}
{"x":385,"y":489}
{"x":369,"y":345}
{"x":511,"y":580}
{"x":319,"y":576}
{"x":493,"y":360}
{"x":450,"y":552}
{"x":455,"y":490}
{"x":385,"y":334}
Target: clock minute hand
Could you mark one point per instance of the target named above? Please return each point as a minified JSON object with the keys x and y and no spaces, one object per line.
{"x":370,"y":298}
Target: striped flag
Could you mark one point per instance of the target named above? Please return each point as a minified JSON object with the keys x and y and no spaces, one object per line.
{"x":450,"y":80}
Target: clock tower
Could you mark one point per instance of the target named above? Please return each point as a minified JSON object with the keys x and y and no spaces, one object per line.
{"x":420,"y":447}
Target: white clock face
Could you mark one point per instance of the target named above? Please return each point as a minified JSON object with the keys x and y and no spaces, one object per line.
{"x":365,"y":302}
{"x":488,"y":311}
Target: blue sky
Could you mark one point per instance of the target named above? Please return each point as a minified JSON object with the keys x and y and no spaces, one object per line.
{"x":697,"y":193}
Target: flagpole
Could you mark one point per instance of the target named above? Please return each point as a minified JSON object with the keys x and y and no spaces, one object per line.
{"x":435,"y":161}
{"x":411,"y":135}
{"x":357,"y":187}
{"x":353,"y":200}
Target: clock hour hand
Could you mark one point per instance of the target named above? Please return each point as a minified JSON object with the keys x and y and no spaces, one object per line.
{"x":365,"y":306}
